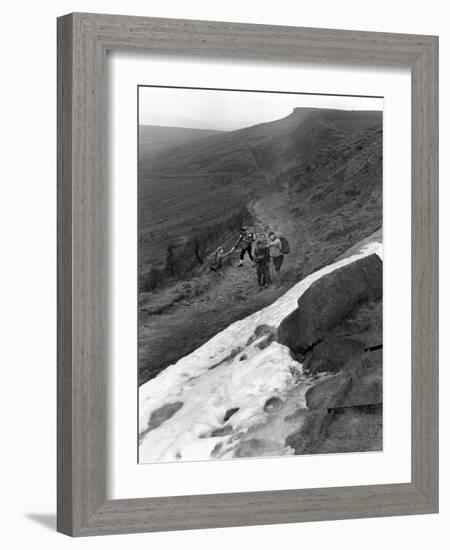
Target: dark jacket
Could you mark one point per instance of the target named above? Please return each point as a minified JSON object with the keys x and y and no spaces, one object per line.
{"x":261,"y":253}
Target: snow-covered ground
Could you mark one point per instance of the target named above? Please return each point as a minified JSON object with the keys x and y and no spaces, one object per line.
{"x":229,"y":371}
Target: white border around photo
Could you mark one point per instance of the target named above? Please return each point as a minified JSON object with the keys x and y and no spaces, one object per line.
{"x":128,"y":479}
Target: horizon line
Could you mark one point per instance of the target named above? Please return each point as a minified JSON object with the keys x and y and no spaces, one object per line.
{"x":266,"y":122}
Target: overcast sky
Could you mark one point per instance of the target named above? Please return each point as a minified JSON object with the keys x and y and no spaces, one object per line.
{"x":228,"y":110}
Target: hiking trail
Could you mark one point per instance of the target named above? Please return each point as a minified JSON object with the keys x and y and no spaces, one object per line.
{"x":232,"y":294}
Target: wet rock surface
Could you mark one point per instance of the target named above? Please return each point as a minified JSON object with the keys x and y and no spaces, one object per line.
{"x":162,"y":414}
{"x":230,"y":413}
{"x":332,"y":354}
{"x":327,"y":393}
{"x":219,"y":432}
{"x":159,"y":416}
{"x":272,"y":404}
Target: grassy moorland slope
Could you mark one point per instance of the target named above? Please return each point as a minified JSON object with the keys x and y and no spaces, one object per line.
{"x":156,"y":139}
{"x":314,"y":176}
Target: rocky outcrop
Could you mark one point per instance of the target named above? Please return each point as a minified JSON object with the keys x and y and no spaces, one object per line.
{"x":159,"y":416}
{"x":334,"y":329}
{"x":230,"y":413}
{"x":329,"y":300}
{"x":367,"y":380}
{"x":316,"y":418}
{"x":332,"y":354}
{"x":329,"y":392}
{"x":355,"y":424}
{"x":344,"y":412}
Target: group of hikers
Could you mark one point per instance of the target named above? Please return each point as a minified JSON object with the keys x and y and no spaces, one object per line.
{"x":262,"y":251}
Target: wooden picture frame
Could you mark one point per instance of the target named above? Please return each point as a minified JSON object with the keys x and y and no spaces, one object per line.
{"x":83,"y":40}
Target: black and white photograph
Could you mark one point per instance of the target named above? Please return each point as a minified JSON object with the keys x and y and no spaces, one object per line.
{"x":260,"y":274}
{"x":221,"y":299}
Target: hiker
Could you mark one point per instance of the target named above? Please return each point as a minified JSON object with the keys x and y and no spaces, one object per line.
{"x":245,"y":241}
{"x":217,"y":258}
{"x":275,"y":253}
{"x":262,"y":261}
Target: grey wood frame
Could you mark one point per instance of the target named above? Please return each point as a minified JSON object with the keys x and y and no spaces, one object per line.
{"x":83,"y":40}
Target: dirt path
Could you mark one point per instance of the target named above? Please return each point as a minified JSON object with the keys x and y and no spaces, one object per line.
{"x":257,"y":166}
{"x":272,"y":214}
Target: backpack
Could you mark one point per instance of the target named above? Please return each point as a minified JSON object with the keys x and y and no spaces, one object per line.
{"x":285,"y":248}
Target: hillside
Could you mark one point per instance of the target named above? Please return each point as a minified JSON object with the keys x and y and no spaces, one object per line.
{"x":155,"y":139}
{"x":201,"y":182}
{"x":275,"y":144}
{"x":315,"y":176}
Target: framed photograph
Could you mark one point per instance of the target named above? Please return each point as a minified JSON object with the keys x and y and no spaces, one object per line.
{"x":247,"y":274}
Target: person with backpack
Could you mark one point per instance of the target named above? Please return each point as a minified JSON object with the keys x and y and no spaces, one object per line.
{"x":245,"y":241}
{"x":216,"y":259}
{"x":262,"y":261}
{"x":276,"y":253}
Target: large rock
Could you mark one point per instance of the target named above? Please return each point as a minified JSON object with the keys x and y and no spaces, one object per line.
{"x":330,"y":299}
